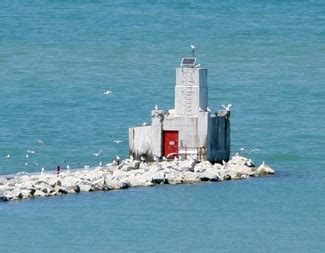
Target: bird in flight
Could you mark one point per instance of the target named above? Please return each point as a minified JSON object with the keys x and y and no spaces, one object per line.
{"x":108,"y":92}
{"x":98,"y":153}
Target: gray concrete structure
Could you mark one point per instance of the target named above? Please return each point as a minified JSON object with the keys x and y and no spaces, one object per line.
{"x":190,"y":129}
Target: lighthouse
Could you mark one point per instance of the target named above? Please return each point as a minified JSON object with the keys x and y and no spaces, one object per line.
{"x":190,"y":129}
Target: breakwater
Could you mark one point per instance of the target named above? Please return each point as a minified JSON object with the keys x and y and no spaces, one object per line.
{"x":129,"y":173}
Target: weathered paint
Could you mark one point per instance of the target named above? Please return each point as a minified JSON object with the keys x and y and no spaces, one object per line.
{"x":170,"y":144}
{"x":198,"y":132}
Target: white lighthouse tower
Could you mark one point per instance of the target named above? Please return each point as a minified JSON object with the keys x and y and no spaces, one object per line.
{"x":189,"y":129}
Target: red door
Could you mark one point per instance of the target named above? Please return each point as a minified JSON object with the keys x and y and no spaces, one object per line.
{"x":170,"y":144}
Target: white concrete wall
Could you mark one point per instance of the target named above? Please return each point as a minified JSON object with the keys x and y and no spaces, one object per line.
{"x":191,"y":91}
{"x":156,"y":131}
{"x":140,"y":141}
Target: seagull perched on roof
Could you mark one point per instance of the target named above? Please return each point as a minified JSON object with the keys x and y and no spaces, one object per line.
{"x":227,"y":108}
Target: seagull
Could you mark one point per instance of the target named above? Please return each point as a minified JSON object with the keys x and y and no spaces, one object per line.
{"x":26,"y":164}
{"x":40,"y":141}
{"x":86,"y":167}
{"x":31,"y":151}
{"x":192,"y":47}
{"x":68,"y":167}
{"x":208,"y":109}
{"x":256,"y":150}
{"x":42,"y":171}
{"x":98,"y":153}
{"x":108,"y":92}
{"x":223,"y":162}
{"x":117,"y":141}
{"x":227,"y":108}
{"x":156,"y":107}
{"x":117,"y":157}
{"x":27,"y":155}
{"x":198,"y":65}
{"x":8,"y":156}
{"x":100,"y":164}
{"x":144,"y":123}
{"x":242,"y":149}
{"x":142,"y":158}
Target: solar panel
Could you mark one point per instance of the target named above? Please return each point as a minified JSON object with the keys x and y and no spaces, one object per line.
{"x":188,"y":62}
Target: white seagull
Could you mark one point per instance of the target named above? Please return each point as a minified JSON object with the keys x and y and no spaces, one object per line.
{"x":108,"y":92}
{"x":98,"y":153}
{"x":208,"y":109}
{"x":156,"y":107}
{"x":8,"y":156}
{"x":117,"y":141}
{"x":144,"y":123}
{"x":31,"y":151}
{"x":227,"y":108}
{"x":40,"y":141}
{"x":192,"y":47}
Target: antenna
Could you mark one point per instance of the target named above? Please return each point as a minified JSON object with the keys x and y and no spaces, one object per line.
{"x":193,"y":50}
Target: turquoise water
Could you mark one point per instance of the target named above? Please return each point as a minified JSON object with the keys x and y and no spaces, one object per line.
{"x":265,"y":58}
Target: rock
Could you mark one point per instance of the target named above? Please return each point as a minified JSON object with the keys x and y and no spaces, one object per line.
{"x":173,"y":178}
{"x":73,"y":188}
{"x":133,"y":165}
{"x":39,"y":193}
{"x":187,"y":165}
{"x":84,"y":187}
{"x":3,"y":181}
{"x":17,"y":194}
{"x":144,"y":166}
{"x":202,"y":166}
{"x":4,"y":198}
{"x":190,"y":177}
{"x":158,"y":177}
{"x":211,"y":174}
{"x":61,"y":189}
{"x":140,"y":179}
{"x":128,"y":173}
{"x":264,"y":169}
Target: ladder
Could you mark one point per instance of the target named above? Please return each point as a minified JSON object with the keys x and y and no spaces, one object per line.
{"x":188,"y":95}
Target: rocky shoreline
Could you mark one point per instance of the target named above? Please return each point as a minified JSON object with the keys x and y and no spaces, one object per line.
{"x":129,"y":173}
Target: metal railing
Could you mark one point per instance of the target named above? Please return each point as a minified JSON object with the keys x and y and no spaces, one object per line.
{"x":198,"y":153}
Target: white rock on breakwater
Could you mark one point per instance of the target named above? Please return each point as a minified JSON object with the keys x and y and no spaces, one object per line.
{"x":128,"y":174}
